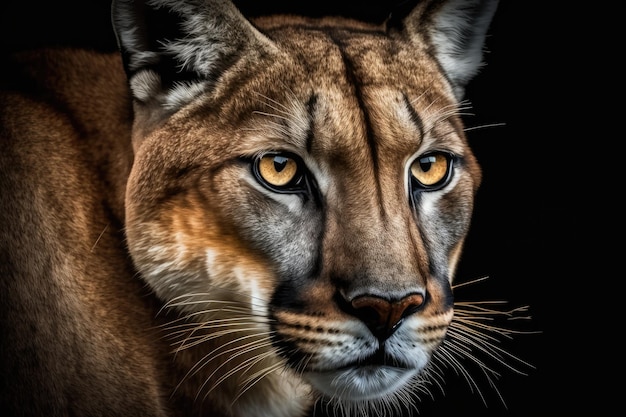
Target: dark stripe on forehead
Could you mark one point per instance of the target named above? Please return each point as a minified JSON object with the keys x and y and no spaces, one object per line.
{"x":415,"y":117}
{"x":310,"y":107}
{"x":369,"y":132}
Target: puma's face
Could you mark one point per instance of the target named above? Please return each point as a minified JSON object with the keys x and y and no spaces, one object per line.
{"x":308,"y":208}
{"x":326,"y":201}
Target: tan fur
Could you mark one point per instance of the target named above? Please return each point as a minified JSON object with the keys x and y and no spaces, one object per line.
{"x":77,"y":326}
{"x":146,"y":271}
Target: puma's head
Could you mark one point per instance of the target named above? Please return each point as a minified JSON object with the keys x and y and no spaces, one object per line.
{"x":300,"y":193}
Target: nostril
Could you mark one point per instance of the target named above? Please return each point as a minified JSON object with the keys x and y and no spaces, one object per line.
{"x":411,"y":304}
{"x":373,"y":311}
{"x":383,"y":316}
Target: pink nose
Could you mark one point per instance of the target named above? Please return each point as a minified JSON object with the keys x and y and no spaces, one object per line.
{"x":382,"y":316}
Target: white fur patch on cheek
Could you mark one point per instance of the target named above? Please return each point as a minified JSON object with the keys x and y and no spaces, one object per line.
{"x":243,"y":280}
{"x":428,"y":203}
{"x":163,"y":259}
{"x":258,"y":296}
{"x":209,"y":260}
{"x":429,"y":200}
{"x":165,"y":270}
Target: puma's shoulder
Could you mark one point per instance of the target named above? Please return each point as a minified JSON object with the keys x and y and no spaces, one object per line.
{"x":74,"y":323}
{"x":72,"y":105}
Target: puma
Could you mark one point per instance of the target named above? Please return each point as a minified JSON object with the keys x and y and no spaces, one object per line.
{"x":237,"y":216}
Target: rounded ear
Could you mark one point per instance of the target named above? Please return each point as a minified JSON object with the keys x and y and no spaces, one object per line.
{"x":174,"y":50}
{"x":456,"y":30}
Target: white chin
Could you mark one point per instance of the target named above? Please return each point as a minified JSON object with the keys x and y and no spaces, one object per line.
{"x":362,"y":383}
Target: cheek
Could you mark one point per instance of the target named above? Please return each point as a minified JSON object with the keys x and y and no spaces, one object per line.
{"x":286,"y":229}
{"x":444,"y":221}
{"x":455,"y":256}
{"x":291,"y":243}
{"x":186,"y":246}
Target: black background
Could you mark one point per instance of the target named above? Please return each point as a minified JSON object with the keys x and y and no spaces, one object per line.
{"x":528,"y":230}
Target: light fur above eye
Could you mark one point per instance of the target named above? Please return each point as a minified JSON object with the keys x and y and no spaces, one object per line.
{"x":432,"y":170}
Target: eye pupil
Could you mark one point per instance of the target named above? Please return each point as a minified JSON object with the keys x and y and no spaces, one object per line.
{"x":427,"y":163}
{"x":280,"y":163}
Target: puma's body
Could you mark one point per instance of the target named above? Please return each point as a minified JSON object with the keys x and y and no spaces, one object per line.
{"x":166,"y":216}
{"x":77,"y":326}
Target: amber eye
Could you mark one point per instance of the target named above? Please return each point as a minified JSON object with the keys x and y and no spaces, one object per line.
{"x":432,"y":170}
{"x":277,"y":170}
{"x":282,"y":172}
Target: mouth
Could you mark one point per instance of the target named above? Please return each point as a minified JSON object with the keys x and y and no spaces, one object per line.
{"x":370,"y":378}
{"x":377,"y":359}
{"x":360,"y":383}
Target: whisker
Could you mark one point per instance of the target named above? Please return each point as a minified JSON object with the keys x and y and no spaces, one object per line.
{"x":216,"y":335}
{"x":283,"y":109}
{"x":238,"y":368}
{"x":217,"y":354}
{"x":474,"y":337}
{"x":262,"y":113}
{"x":471,"y":128}
{"x":449,"y":357}
{"x":208,"y":297}
{"x":258,"y":376}
{"x":474,"y":281}
{"x":99,"y":237}
{"x":208,"y":314}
